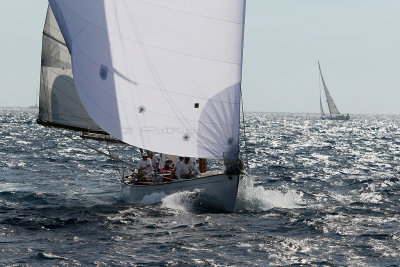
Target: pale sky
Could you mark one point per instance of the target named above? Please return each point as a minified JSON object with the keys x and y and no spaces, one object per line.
{"x":356,"y":41}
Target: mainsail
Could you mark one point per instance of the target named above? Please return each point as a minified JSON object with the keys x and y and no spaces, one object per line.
{"x":161,"y":75}
{"x":333,"y":110}
{"x":59,"y":103}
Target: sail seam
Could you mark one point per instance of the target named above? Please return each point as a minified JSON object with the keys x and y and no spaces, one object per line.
{"x":190,"y":13}
{"x":53,"y":38}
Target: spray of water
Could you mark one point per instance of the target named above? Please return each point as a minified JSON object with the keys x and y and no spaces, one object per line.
{"x":184,"y":201}
{"x":250,"y":198}
{"x":256,"y":198}
{"x":153,"y":198}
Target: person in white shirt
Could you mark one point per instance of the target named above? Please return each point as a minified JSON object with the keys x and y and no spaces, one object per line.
{"x":144,"y":166}
{"x":185,"y":169}
{"x":177,"y":166}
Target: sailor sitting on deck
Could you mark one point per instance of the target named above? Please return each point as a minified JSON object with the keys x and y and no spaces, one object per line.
{"x":177,"y":166}
{"x":185,"y":169}
{"x":167,"y":171}
{"x":144,"y":166}
{"x":168,"y":167}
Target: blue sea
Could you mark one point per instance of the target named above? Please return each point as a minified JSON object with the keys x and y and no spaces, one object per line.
{"x":319,"y":193}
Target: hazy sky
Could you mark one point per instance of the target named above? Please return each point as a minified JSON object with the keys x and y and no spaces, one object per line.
{"x":356,"y":41}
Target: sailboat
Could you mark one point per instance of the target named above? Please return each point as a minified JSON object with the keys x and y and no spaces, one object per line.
{"x":334,"y":113}
{"x":163,"y":76}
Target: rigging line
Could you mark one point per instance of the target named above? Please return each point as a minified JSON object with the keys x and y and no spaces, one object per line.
{"x":54,"y":39}
{"x":117,"y":169}
{"x":97,"y":150}
{"x":244,"y":133}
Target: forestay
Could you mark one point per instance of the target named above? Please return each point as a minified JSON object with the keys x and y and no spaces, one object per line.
{"x":161,"y":75}
{"x":59,"y":104}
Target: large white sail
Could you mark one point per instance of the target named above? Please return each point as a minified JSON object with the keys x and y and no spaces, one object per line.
{"x":59,"y":103}
{"x":333,"y":110}
{"x":162,"y":75}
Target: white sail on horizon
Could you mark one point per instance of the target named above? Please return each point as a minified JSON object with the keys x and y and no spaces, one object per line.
{"x":333,"y":110}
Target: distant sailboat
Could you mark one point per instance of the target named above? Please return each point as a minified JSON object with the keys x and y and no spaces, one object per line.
{"x":35,"y":106}
{"x":334,"y":113}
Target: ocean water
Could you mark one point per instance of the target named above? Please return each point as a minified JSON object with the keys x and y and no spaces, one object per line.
{"x":321,"y":193}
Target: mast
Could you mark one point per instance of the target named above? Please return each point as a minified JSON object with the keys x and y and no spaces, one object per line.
{"x":333,"y":110}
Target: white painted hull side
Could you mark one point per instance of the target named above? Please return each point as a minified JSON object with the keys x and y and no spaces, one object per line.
{"x":218,"y":192}
{"x":336,"y":118}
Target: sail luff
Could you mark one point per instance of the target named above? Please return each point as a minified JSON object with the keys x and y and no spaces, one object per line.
{"x":333,"y":110}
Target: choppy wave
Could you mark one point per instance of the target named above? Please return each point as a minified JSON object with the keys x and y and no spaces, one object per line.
{"x":320,"y":193}
{"x":258,"y":198}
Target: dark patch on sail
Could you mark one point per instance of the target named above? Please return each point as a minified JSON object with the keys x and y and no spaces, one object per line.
{"x":230,"y":140}
{"x":103,"y":72}
{"x":141,"y":109}
{"x":186,"y":137}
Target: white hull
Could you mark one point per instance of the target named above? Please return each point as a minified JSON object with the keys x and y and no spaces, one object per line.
{"x":337,"y":117}
{"x":217,"y":191}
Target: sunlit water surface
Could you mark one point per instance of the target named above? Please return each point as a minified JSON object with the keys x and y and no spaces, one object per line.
{"x":319,"y":193}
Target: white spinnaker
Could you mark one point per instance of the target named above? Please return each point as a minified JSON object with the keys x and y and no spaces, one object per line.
{"x":162,"y":75}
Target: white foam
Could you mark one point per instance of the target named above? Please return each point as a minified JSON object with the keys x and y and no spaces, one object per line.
{"x":252,"y":197}
{"x":372,"y":197}
{"x":181,"y":201}
{"x":153,"y":198}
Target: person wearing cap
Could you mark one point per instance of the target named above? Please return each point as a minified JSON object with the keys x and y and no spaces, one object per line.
{"x":185,"y":169}
{"x":144,"y":166}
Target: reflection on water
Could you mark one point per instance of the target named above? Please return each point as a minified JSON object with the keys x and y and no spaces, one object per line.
{"x":319,"y":193}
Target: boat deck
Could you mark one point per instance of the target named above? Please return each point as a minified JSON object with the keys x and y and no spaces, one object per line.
{"x":160,"y":178}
